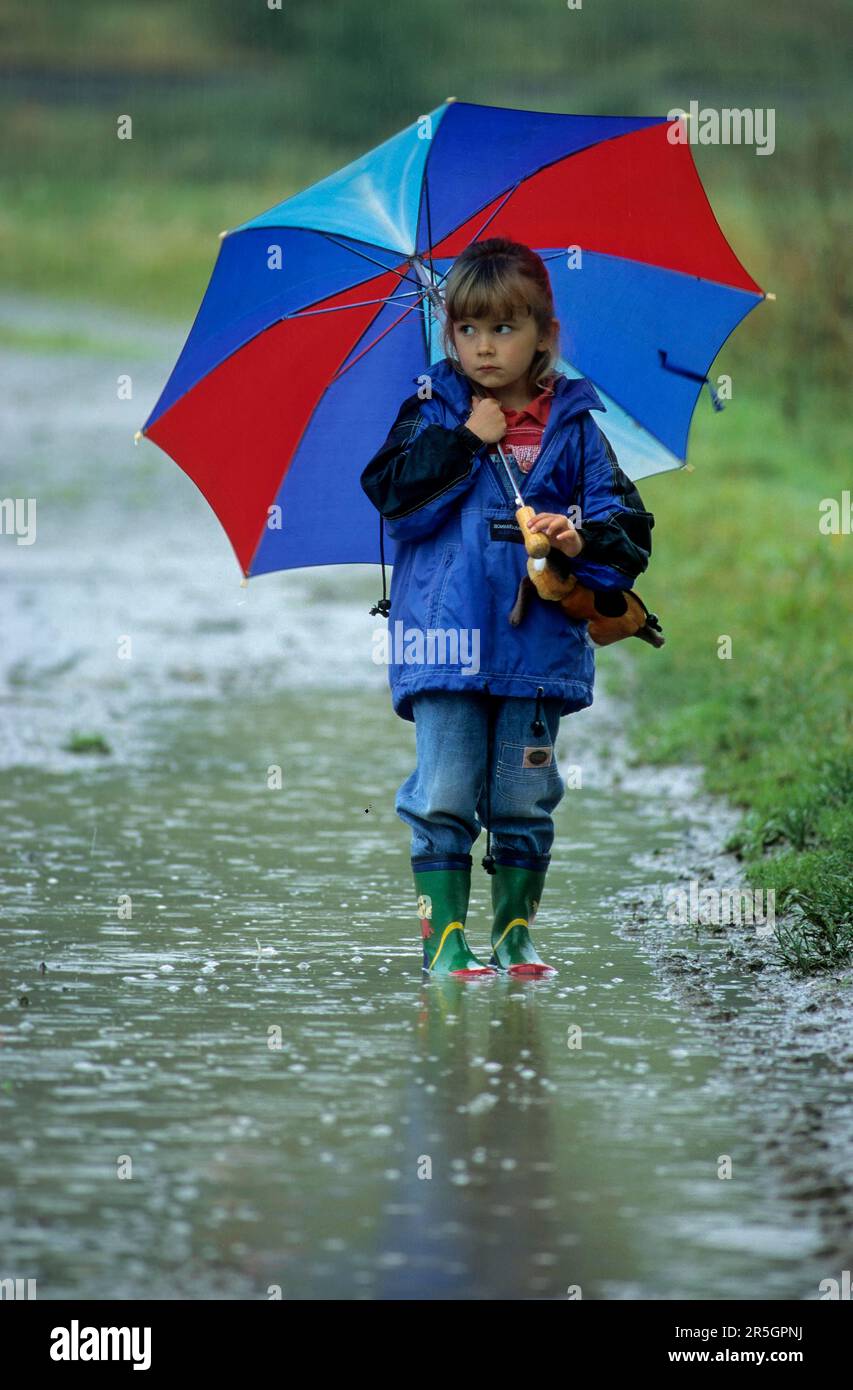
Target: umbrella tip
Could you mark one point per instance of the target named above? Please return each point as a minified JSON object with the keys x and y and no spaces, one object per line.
{"x":689,"y":468}
{"x":768,"y":295}
{"x":449,"y":98}
{"x":137,"y":436}
{"x":223,"y":234}
{"x":244,"y":582}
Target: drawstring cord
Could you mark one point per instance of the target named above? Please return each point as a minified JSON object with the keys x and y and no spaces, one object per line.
{"x":537,"y":726}
{"x":384,"y":604}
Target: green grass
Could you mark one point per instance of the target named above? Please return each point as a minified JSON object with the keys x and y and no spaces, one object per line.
{"x":69,"y":341}
{"x":738,"y":554}
{"x":87,"y":743}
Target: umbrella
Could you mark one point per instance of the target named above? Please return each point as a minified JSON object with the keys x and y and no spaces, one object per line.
{"x":321,"y":312}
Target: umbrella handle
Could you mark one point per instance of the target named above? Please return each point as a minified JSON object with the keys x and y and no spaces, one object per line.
{"x":536,"y":543}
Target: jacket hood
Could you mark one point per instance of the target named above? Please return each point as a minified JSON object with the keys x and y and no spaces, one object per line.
{"x":572,"y":395}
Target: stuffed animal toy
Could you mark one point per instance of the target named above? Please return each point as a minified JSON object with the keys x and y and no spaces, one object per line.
{"x":611,"y":616}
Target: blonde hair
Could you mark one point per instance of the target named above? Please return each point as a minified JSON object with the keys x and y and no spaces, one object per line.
{"x":497,"y":278}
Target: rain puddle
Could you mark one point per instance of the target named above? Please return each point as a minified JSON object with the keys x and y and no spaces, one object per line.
{"x":230,"y":1076}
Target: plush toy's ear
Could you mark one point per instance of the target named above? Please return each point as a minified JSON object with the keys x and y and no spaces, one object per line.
{"x":611,"y":603}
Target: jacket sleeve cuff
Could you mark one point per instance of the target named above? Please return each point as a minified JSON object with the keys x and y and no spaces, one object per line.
{"x":469,"y":438}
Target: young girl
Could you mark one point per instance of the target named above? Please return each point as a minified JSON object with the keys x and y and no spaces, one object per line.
{"x":486,"y":730}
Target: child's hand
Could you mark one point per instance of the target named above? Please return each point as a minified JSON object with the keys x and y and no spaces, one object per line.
{"x":560,"y":532}
{"x":487,"y":420}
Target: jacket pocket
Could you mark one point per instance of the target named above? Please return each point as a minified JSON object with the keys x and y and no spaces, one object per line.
{"x":577,"y":631}
{"x":440,"y":583}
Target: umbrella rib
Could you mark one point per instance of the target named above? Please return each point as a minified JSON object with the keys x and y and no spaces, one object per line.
{"x":507,"y":195}
{"x":426,"y":324}
{"x":429,"y":229}
{"x":376,"y":340}
{"x":480,"y":230}
{"x":389,"y":269}
{"x":356,"y":304}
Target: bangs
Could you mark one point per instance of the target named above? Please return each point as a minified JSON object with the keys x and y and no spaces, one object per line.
{"x":484,"y":293}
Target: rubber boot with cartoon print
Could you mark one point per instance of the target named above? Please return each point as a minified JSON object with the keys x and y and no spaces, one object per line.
{"x":443,"y":895}
{"x":516,"y":893}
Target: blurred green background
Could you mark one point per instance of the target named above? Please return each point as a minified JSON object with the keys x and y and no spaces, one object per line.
{"x":235,"y":106}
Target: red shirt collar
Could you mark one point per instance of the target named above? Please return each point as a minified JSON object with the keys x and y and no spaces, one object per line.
{"x":538,"y":408}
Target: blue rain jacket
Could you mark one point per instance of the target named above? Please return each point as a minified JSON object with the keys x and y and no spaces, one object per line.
{"x":459,"y":554}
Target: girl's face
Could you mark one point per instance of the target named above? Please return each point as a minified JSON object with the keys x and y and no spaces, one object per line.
{"x":498,"y":352}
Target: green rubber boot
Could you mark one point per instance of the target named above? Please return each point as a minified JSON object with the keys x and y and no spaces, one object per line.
{"x":442,"y":907}
{"x":516,"y":894}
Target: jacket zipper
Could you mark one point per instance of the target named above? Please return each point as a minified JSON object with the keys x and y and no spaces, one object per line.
{"x":543,"y":453}
{"x":539,"y":458}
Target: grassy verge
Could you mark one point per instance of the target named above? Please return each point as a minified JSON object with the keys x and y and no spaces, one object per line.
{"x":739,"y":555}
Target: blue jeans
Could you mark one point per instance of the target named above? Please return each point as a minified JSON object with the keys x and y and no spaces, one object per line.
{"x":448,"y":798}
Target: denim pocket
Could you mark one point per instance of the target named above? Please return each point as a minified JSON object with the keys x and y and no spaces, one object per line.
{"x":527,"y":776}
